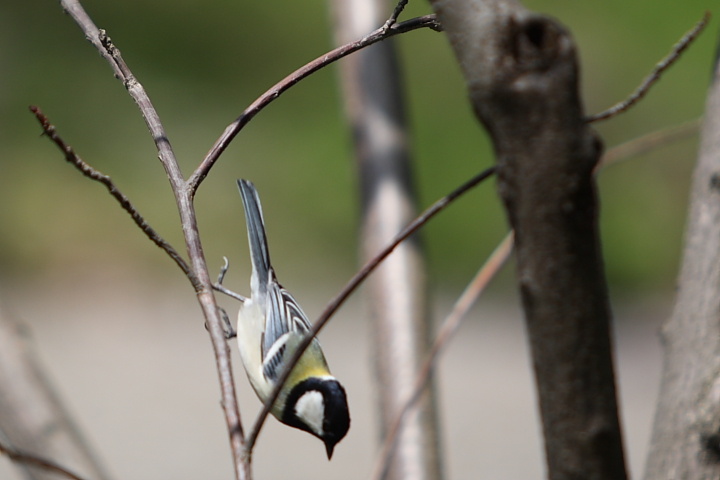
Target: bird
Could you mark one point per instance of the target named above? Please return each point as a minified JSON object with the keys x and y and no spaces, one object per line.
{"x":270,"y":327}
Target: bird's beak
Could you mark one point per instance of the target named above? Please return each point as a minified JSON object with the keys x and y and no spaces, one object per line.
{"x":329,"y":447}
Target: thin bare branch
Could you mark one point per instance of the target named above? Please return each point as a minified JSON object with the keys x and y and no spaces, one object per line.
{"x":395,"y":14}
{"x":486,"y":273}
{"x":91,"y":173}
{"x":33,"y":417}
{"x":350,"y":287}
{"x":654,"y":76}
{"x":649,"y":142}
{"x":427,"y":21}
{"x":188,"y":220}
{"x":149,"y":114}
{"x":29,"y":459}
{"x":83,"y":20}
{"x":104,"y":45}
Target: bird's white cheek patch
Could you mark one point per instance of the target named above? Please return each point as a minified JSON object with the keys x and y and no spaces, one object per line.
{"x":310,"y":408}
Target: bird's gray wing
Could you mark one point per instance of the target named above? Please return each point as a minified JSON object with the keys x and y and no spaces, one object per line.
{"x":283,"y":316}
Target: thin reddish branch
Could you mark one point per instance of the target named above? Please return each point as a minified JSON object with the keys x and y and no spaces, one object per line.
{"x":649,"y":142}
{"x":476,"y":287}
{"x":91,"y":173}
{"x":350,"y":287}
{"x":34,"y":460}
{"x":382,"y":33}
{"x":654,"y":76}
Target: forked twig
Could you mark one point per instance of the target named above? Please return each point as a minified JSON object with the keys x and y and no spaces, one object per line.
{"x":486,"y":273}
{"x":427,"y":21}
{"x":395,"y":14}
{"x":654,"y":76}
{"x":30,"y":459}
{"x":188,"y":219}
{"x":350,"y":287}
{"x":91,"y":173}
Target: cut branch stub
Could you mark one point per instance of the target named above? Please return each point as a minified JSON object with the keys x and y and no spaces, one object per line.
{"x":521,"y":73}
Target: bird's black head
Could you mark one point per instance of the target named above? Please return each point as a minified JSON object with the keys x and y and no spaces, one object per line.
{"x":319,"y":406}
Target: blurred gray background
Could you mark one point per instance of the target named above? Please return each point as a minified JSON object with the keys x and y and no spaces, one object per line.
{"x":136,"y":369}
{"x":119,"y":329}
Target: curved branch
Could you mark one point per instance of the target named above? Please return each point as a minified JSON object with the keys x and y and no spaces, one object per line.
{"x":91,"y":173}
{"x":427,"y":21}
{"x":654,"y":76}
{"x":649,"y":142}
{"x":474,"y":289}
{"x":350,"y":287}
{"x":188,"y":219}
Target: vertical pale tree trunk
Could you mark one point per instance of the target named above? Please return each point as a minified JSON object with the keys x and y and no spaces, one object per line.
{"x":32,"y":418}
{"x":522,"y":76}
{"x":395,"y":294}
{"x":686,"y":435}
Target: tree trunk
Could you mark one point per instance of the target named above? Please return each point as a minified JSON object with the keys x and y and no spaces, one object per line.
{"x":521,"y":73}
{"x":686,"y":435}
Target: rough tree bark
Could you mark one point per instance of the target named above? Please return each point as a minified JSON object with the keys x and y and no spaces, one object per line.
{"x":396,"y":294}
{"x":686,"y":435}
{"x":522,"y":76}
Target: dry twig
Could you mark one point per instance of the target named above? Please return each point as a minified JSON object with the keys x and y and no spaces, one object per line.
{"x":649,"y":142}
{"x":654,"y":76}
{"x":183,"y":199}
{"x":427,"y":21}
{"x":29,"y":459}
{"x":474,"y":289}
{"x":91,"y":173}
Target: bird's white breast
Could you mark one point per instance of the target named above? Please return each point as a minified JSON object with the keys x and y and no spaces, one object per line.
{"x":250,"y":327}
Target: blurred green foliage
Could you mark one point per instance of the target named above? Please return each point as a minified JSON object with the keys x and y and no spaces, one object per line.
{"x":203,"y":62}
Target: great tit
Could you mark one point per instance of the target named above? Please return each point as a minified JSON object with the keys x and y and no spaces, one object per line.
{"x":271,"y":324}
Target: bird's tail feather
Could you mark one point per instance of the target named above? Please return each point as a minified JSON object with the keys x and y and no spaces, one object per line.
{"x":256,"y":238}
